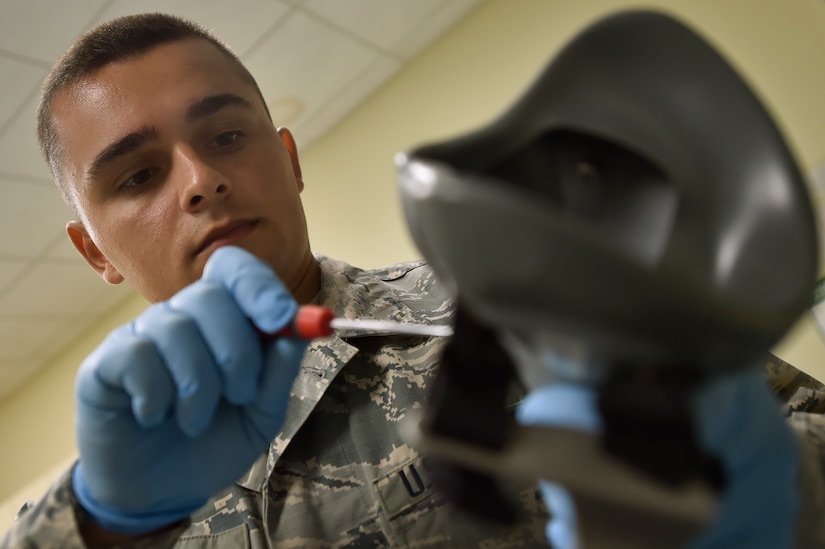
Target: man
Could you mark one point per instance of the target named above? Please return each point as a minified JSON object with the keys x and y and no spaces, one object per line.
{"x":160,"y":141}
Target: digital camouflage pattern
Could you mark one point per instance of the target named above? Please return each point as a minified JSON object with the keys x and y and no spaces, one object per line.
{"x":804,"y":404}
{"x":340,"y":474}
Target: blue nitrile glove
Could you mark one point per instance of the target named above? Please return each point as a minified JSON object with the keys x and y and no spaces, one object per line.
{"x":179,"y":403}
{"x":738,"y":420}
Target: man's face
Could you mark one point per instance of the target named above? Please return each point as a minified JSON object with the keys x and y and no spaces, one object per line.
{"x":170,"y":156}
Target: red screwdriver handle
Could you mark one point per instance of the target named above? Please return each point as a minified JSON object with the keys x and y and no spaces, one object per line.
{"x":310,"y":322}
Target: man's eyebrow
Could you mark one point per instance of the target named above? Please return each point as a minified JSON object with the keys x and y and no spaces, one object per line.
{"x":121,"y":147}
{"x":131,"y":142}
{"x":214,"y":103}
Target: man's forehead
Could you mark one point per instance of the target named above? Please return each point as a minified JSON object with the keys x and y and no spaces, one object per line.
{"x":150,"y":91}
{"x":163,"y":64}
{"x":140,"y":87}
{"x":87,"y":91}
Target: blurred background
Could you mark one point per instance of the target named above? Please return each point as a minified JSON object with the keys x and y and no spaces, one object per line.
{"x":357,"y":81}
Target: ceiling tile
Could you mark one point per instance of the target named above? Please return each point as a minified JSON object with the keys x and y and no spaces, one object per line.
{"x":19,"y":151}
{"x":9,"y":271}
{"x":71,"y":332}
{"x":292,"y":69}
{"x":312,"y":66}
{"x":393,"y":26}
{"x":439,"y":21}
{"x":43,"y":29}
{"x":20,"y":80}
{"x":358,"y":89}
{"x":37,"y":214}
{"x":62,"y":248}
{"x":61,"y":289}
{"x":22,"y":337}
{"x":239,"y":23}
{"x":15,"y":374}
{"x":377,"y":21}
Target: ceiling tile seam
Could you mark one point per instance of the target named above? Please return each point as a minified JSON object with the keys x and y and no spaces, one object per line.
{"x":85,"y":317}
{"x":265,"y":35}
{"x":33,"y":317}
{"x":22,"y":58}
{"x":23,"y":107}
{"x":15,"y":280}
{"x":90,"y":322}
{"x":47,"y":65}
{"x":12,"y":258}
{"x":51,"y":356}
{"x":319,"y":113}
{"x":354,"y":36}
{"x":432,"y":14}
{"x":30,"y":369}
{"x":41,"y":258}
{"x":44,"y":258}
{"x":34,"y":371}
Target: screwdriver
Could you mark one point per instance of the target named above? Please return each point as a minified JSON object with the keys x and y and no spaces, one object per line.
{"x":313,"y":321}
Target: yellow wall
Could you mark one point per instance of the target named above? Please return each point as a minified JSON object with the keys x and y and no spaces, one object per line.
{"x":37,"y":422}
{"x":459,"y":83}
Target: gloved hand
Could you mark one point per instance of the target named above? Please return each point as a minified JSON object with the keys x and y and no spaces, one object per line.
{"x":738,"y":421}
{"x":178,"y":404}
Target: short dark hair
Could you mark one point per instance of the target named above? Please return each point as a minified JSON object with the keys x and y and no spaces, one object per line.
{"x":120,"y":39}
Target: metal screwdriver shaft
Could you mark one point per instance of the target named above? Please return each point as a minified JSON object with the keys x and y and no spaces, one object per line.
{"x":314,"y":321}
{"x":389,"y":326}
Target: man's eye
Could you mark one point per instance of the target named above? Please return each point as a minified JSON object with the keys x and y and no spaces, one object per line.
{"x":227,"y":139}
{"x":138,"y":179}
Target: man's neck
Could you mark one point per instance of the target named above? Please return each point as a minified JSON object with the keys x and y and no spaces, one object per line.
{"x":308,"y":285}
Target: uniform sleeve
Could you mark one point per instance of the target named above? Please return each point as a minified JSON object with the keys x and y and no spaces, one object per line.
{"x":804,"y":402}
{"x":53,"y":523}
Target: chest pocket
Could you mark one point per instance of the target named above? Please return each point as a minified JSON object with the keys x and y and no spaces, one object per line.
{"x":418,"y":515}
{"x":404,"y":488}
{"x":237,"y":538}
{"x":413,"y":508}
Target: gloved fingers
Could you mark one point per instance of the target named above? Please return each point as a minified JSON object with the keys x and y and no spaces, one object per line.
{"x":739,"y":421}
{"x":562,"y":404}
{"x":190,"y":364}
{"x":253,"y":285}
{"x":570,"y":406}
{"x":126,"y":373}
{"x":562,"y":526}
{"x":738,"y":415}
{"x":231,"y":339}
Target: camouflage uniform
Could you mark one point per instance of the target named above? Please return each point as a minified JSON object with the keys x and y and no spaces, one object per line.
{"x":804,"y":399}
{"x":339,"y":474}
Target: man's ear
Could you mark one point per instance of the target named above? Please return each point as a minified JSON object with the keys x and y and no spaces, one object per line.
{"x":292,"y":149}
{"x":91,"y":253}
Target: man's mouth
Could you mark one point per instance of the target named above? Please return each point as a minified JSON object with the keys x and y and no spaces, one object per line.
{"x":226,"y":234}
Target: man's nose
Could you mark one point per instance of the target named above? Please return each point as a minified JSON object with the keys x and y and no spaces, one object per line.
{"x":202,"y":181}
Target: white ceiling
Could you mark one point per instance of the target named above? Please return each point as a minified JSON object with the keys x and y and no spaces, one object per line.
{"x":314,"y":60}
